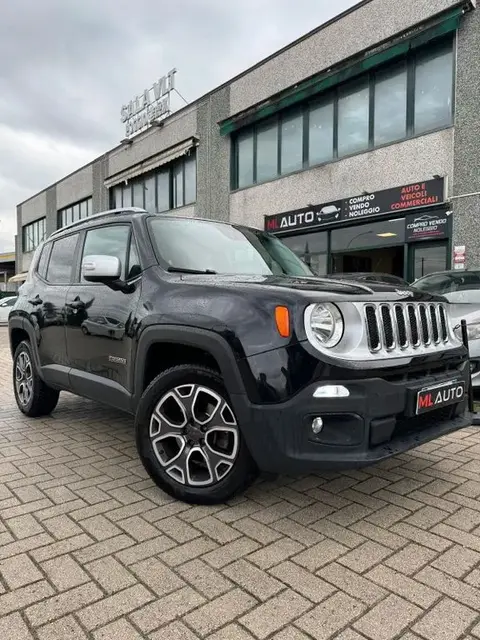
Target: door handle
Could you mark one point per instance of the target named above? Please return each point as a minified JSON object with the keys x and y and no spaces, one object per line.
{"x":36,"y":301}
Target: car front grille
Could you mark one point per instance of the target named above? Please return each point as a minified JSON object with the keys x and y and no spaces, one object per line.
{"x":402,"y":326}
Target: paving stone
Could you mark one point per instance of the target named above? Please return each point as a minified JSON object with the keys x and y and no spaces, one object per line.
{"x":411,"y":559}
{"x":388,"y":618}
{"x":302,"y":581}
{"x":457,"y":561}
{"x":219,"y":612}
{"x":204,"y":578}
{"x":64,"y":572}
{"x":448,"y":620}
{"x":110,"y":574}
{"x":19,"y":571}
{"x":353,"y":584}
{"x":365,"y":556}
{"x":404,"y":586}
{"x":66,"y":628}
{"x":12,"y":627}
{"x":173,"y":631}
{"x":166,"y":609}
{"x":116,"y":605}
{"x":330,"y":616}
{"x":275,"y":613}
{"x":156,"y":576}
{"x":275,"y":553}
{"x":63,"y":604}
{"x":257,"y":582}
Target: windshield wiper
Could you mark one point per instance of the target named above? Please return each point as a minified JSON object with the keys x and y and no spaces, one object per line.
{"x":185,"y":270}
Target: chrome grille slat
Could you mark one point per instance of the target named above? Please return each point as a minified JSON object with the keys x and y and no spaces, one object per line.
{"x":403,"y":326}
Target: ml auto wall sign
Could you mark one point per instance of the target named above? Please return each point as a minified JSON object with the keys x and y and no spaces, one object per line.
{"x":398,"y":199}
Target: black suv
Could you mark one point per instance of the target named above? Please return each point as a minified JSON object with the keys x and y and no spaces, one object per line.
{"x":232,"y":356}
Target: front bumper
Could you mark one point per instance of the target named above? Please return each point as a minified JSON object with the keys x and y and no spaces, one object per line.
{"x":375,"y":422}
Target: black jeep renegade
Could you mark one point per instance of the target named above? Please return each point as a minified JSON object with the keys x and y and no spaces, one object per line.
{"x":230,"y":353}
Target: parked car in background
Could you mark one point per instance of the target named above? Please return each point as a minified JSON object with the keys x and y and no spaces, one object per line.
{"x":462,"y":290}
{"x":6,"y":305}
{"x":382,"y":278}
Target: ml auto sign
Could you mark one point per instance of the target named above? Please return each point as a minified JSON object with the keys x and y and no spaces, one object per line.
{"x":367,"y":205}
{"x":151,"y":104}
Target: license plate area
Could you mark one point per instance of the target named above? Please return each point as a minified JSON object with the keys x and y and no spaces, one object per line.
{"x":439,"y":395}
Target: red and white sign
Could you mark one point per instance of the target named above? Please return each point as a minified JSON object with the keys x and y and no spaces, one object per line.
{"x":459,"y":257}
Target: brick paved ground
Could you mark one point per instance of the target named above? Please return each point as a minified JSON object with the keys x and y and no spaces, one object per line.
{"x":89,"y":548}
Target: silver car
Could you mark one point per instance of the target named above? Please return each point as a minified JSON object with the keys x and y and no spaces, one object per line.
{"x":462,"y":290}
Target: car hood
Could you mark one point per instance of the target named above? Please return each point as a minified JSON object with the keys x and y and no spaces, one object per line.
{"x":309,"y":286}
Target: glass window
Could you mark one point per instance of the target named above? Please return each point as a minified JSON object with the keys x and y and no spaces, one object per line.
{"x":190,"y":178}
{"x":291,"y":158}
{"x":178,"y":200}
{"x":312,"y":248}
{"x":267,"y":152}
{"x":222,"y":248}
{"x":76,"y":212}
{"x":108,"y":241}
{"x":429,"y":259}
{"x":150,"y":194}
{"x":353,"y":118}
{"x":89,"y":206}
{"x":133,"y":267}
{"x":42,"y":263}
{"x":376,"y":234}
{"x":83,"y":209}
{"x":127,"y":195}
{"x":117,"y":197}
{"x":391,"y":105}
{"x":245,"y":159}
{"x":320,"y":134}
{"x":163,"y":191}
{"x":434,"y":90}
{"x":138,"y":194}
{"x":61,"y":260}
{"x":33,"y":234}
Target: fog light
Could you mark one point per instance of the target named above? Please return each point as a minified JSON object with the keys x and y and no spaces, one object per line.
{"x":331,"y":391}
{"x":317,"y":425}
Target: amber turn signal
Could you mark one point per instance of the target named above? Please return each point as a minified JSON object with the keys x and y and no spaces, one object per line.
{"x":282,"y":320}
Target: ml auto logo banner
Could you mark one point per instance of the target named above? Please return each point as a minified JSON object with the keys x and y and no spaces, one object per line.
{"x":398,"y":199}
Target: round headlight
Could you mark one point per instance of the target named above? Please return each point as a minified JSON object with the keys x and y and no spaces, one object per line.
{"x":326,"y":324}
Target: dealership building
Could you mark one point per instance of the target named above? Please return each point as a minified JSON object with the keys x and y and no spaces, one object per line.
{"x":358,"y":144}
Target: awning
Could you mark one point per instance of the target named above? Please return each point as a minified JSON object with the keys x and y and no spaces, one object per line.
{"x":447,"y":23}
{"x":166,"y":156}
{"x":19,"y":277}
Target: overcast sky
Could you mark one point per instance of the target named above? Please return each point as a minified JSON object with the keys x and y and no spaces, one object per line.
{"x":68,"y":66}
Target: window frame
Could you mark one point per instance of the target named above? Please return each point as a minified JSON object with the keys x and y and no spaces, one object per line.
{"x":168,"y":169}
{"x":63,"y":212}
{"x":410,"y":60}
{"x":77,"y":275}
{"x":75,"y":255}
{"x":36,"y":227}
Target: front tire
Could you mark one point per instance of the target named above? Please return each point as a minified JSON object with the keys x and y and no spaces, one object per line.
{"x":188,"y":437}
{"x":34,"y":398}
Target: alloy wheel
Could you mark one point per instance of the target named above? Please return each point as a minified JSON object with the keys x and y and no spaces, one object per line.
{"x":194,"y":435}
{"x":24,"y":378}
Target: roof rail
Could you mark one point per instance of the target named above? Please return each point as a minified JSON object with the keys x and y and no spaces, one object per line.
{"x":98,"y":215}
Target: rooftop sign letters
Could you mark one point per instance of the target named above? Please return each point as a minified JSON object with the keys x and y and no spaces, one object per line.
{"x":151,"y":104}
{"x":398,"y":199}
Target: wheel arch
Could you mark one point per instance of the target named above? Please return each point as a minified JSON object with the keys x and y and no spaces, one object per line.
{"x":213,"y":350}
{"x":18,"y":331}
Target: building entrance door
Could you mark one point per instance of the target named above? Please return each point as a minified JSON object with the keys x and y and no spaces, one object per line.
{"x":426,"y":258}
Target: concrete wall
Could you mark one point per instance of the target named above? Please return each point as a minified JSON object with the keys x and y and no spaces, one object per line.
{"x":467,"y":141}
{"x":153,"y":141}
{"x":76,"y":187}
{"x":100,"y":199}
{"x":51,"y":201}
{"x":213,"y":158}
{"x":368,"y":25}
{"x":34,"y":208}
{"x":403,"y":163}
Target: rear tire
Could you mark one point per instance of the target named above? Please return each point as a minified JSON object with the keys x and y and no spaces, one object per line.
{"x":34,"y":397}
{"x":188,"y":437}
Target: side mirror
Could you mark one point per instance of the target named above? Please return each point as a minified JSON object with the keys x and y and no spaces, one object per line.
{"x":103,"y":269}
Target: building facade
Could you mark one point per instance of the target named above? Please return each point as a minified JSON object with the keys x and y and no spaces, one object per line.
{"x":357,"y":144}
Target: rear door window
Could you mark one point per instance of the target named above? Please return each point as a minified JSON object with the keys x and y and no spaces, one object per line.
{"x":60,"y":265}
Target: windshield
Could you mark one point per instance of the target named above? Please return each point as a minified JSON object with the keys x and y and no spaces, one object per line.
{"x":200,"y":245}
{"x":456,"y":287}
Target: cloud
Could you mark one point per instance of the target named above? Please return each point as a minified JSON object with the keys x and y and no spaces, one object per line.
{"x":71,"y":65}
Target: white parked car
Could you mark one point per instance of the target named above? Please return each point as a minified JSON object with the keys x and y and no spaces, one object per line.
{"x":462,"y":290}
{"x":6,"y":305}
